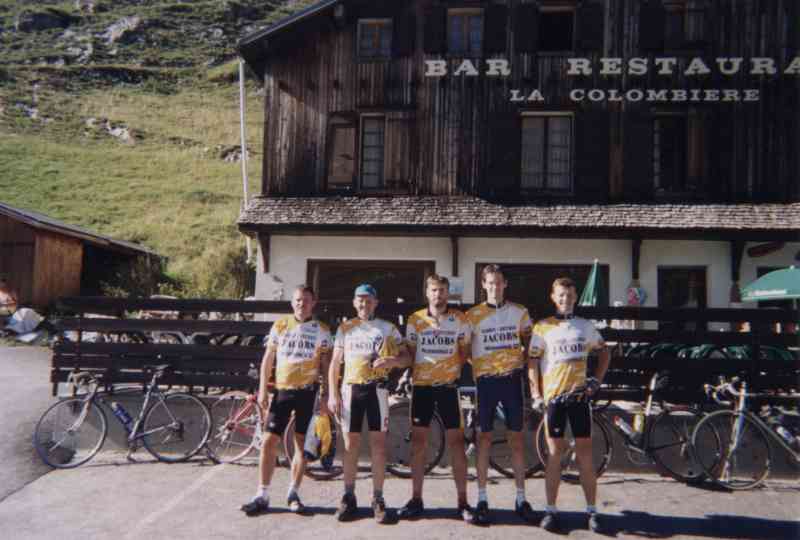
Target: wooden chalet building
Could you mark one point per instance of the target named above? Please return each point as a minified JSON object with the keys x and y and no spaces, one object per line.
{"x":620,"y":130}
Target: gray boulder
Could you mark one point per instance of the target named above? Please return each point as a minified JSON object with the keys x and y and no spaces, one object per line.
{"x":123,"y":28}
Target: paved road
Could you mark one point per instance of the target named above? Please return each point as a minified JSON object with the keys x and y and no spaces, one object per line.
{"x":24,"y":394}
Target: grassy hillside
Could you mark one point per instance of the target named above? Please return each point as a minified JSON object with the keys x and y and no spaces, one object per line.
{"x":132,"y":144}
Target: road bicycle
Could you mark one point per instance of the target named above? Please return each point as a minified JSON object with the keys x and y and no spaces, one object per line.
{"x":742,"y":458}
{"x":399,"y":443}
{"x":661,"y":436}
{"x":172,"y":426}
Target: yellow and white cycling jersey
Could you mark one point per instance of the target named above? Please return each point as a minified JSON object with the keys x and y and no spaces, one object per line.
{"x":563,"y":346}
{"x":299,"y":346}
{"x":497,"y":338}
{"x":363,"y":342}
{"x":437,"y":343}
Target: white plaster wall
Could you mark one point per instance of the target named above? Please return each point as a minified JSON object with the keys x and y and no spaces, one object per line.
{"x":289,"y":255}
{"x":615,"y":253}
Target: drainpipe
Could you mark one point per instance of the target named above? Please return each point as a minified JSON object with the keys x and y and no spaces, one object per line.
{"x":244,"y":151}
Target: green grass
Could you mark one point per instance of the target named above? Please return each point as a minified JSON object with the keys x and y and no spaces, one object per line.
{"x":169,"y":190}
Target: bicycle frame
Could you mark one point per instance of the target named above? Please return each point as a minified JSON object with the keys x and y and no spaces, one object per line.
{"x":743,"y":413}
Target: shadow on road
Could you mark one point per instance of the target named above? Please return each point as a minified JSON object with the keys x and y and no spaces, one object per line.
{"x":712,"y":526}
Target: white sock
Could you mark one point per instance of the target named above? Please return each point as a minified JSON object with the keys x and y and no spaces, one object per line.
{"x":591,"y":509}
{"x":263,"y":492}
{"x":520,"y":496}
{"x":551,"y":509}
{"x":292,"y":490}
{"x":482,"y":495}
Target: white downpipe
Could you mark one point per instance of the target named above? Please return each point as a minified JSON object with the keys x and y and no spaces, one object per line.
{"x":244,"y":151}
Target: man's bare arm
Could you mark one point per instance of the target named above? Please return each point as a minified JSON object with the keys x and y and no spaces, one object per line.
{"x":267,"y":365}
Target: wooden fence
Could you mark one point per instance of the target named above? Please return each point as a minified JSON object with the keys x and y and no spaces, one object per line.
{"x":660,"y":342}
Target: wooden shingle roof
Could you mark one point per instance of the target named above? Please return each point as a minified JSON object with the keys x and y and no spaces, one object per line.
{"x":472,"y":214}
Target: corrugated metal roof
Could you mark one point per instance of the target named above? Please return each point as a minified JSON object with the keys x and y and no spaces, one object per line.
{"x":43,"y":222}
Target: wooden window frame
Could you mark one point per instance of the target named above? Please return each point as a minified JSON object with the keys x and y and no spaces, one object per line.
{"x":380,"y":24}
{"x":427,"y":266}
{"x":686,"y":9}
{"x":361,"y":137}
{"x":557,"y":8}
{"x":466,"y":12}
{"x":694,"y":162}
{"x":546,"y":189}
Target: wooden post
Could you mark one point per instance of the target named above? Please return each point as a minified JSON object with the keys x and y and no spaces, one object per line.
{"x":263,"y":242}
{"x":454,"y":254}
{"x":636,"y":254}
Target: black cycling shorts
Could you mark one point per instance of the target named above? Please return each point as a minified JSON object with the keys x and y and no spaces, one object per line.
{"x":370,"y":400}
{"x":505,"y":390}
{"x":284,"y":402}
{"x":424,"y":399}
{"x":579,"y":415}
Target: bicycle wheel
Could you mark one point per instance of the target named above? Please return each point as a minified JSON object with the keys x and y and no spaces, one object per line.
{"x":500,"y":453}
{"x":70,"y":433}
{"x":176,"y":427}
{"x":601,"y":450}
{"x":668,"y":442}
{"x":235,"y":429}
{"x":326,"y":468}
{"x":398,"y":441}
{"x":742,"y":458}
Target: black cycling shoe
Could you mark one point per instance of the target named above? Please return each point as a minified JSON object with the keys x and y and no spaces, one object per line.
{"x":594,"y":523}
{"x":257,"y":506}
{"x":296,"y":505}
{"x":481,"y":514}
{"x":465,"y":512}
{"x":412,"y":510}
{"x":549,"y":522}
{"x":525,"y":512}
{"x":347,"y":508}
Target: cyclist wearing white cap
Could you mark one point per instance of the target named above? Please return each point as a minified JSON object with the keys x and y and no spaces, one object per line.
{"x":369,"y":348}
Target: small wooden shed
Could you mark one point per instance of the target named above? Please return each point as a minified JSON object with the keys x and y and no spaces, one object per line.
{"x":44,"y":259}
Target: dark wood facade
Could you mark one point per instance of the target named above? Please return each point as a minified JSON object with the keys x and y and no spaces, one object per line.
{"x":462,"y":134}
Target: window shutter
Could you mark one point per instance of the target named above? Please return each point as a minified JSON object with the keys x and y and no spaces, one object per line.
{"x":638,"y":156}
{"x":495,"y":29}
{"x":404,"y":31}
{"x":436,"y":30}
{"x":399,"y":154}
{"x":591,"y":183}
{"x":504,"y":155}
{"x":526,"y":28}
{"x":721,"y":179}
{"x":651,"y":26}
{"x":591,"y":27}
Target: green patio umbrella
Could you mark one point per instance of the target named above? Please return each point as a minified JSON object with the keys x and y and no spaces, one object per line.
{"x":591,"y":291}
{"x":778,"y":285}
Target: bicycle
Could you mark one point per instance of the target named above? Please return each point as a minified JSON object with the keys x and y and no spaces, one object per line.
{"x":399,"y":443}
{"x":742,"y":459}
{"x":662,"y":438}
{"x":172,"y":427}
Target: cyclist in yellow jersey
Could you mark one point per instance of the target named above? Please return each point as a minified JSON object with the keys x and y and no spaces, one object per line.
{"x":298,"y":349}
{"x":438,"y":339}
{"x":559,"y":352}
{"x":500,"y":334}
{"x":369,"y":348}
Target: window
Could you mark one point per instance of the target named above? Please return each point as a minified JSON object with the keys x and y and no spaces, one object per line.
{"x":678,"y":153}
{"x":465,"y":32}
{"x":336,"y":279}
{"x":681,"y":287}
{"x":556,"y":29}
{"x":530,"y":284}
{"x":685,"y":22}
{"x":375,"y":38}
{"x":373,"y":130}
{"x":341,"y":169}
{"x":547,"y":152}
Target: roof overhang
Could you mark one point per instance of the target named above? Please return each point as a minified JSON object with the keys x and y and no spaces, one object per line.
{"x":467,"y":216}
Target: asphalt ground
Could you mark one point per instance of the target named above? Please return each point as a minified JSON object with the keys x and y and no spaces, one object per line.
{"x":112,"y":498}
